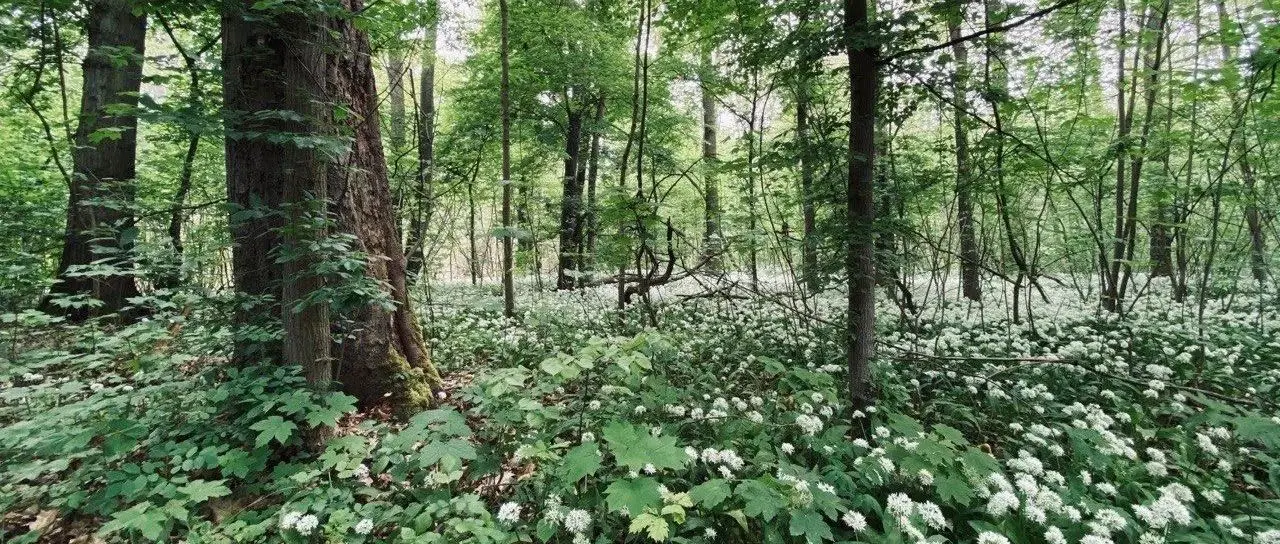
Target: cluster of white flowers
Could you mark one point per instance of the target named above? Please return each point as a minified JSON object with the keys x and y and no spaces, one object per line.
{"x":855,"y":521}
{"x":577,"y":521}
{"x":988,"y":537}
{"x":809,"y":424}
{"x":361,"y":474}
{"x":509,"y":513}
{"x":364,"y":527}
{"x":304,"y":524}
{"x":728,"y":460}
{"x":1169,"y":508}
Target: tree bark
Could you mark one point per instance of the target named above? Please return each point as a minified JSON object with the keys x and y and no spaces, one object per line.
{"x":860,"y":204}
{"x":970,"y":279}
{"x":711,"y":189}
{"x":100,"y":222}
{"x":382,"y":359}
{"x":508,"y":260}
{"x":570,"y":205}
{"x":1252,"y":217}
{"x":593,"y":177}
{"x":276,"y":62}
{"x":395,"y":98}
{"x":424,"y":197}
{"x":809,"y":241}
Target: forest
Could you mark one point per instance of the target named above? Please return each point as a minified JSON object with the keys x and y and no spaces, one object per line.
{"x":629,"y":271}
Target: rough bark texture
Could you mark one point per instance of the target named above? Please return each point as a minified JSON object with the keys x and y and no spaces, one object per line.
{"x":382,"y":358}
{"x":385,"y":360}
{"x":99,"y":215}
{"x":570,"y":205}
{"x":307,"y":336}
{"x":969,"y":272}
{"x":593,"y":176}
{"x":860,"y":203}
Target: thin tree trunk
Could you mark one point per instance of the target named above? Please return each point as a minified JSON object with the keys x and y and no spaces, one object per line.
{"x":593,"y":176}
{"x":970,"y":279}
{"x":508,"y":261}
{"x":1154,"y":30}
{"x":711,"y":186}
{"x":1252,"y":217}
{"x":808,"y":159}
{"x":860,"y":204}
{"x":424,"y":198}
{"x":195,"y":97}
{"x":570,"y":204}
{"x":100,"y":222}
{"x":395,"y":98}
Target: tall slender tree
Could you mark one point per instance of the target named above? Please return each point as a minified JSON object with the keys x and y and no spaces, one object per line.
{"x":970,"y":280}
{"x":860,"y":209}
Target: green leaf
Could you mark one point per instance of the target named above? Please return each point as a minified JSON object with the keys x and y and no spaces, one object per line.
{"x":454,"y":448}
{"x":580,"y":462}
{"x":634,"y":448}
{"x":954,"y":489}
{"x":710,"y":493}
{"x":633,"y":495}
{"x":203,"y":490}
{"x":273,"y":428}
{"x":140,"y":517}
{"x":762,"y":501}
{"x":810,"y":525}
{"x":654,"y":526}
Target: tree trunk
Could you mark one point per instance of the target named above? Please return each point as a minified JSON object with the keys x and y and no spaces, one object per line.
{"x":711,"y":190}
{"x":970,"y":280}
{"x":395,"y":98}
{"x":570,"y":205}
{"x":1154,"y":30}
{"x":508,"y":260}
{"x":424,"y":197}
{"x":860,"y":204}
{"x":808,"y":160}
{"x":1252,"y":217}
{"x":593,"y":177}
{"x":382,"y":359}
{"x":276,"y":62}
{"x":100,"y":223}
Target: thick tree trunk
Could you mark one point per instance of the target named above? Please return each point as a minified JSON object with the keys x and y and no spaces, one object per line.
{"x":275,"y":62}
{"x":860,"y":203}
{"x":424,"y":196}
{"x":593,"y":177}
{"x":99,"y":206}
{"x":570,"y":205}
{"x":382,"y":359}
{"x":307,"y":336}
{"x":970,"y":279}
{"x":386,"y":359}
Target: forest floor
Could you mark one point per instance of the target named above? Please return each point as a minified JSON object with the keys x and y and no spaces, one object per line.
{"x":694,"y":419}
